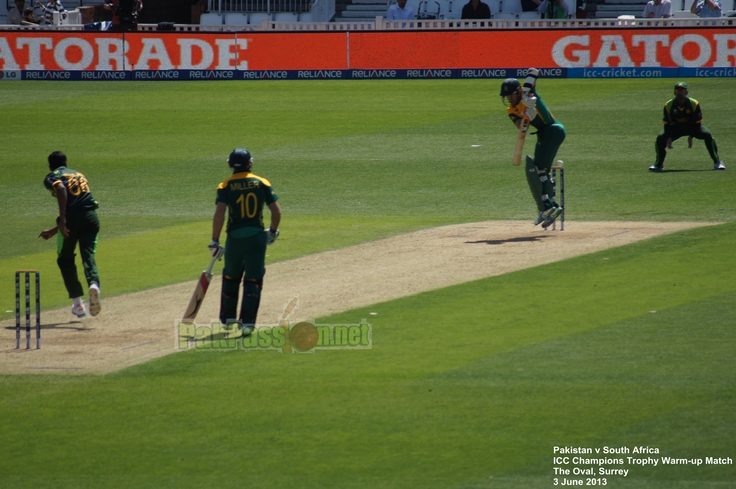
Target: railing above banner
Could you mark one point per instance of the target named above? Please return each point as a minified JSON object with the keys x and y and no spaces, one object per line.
{"x":225,"y":6}
{"x":380,"y":24}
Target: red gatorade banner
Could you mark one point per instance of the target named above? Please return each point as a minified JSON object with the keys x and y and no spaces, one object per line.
{"x":409,"y":50}
{"x":150,"y":51}
{"x":547,"y":48}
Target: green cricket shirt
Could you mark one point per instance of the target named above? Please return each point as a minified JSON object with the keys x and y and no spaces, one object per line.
{"x":544,"y":116}
{"x":79,"y":195}
{"x":245,"y":195}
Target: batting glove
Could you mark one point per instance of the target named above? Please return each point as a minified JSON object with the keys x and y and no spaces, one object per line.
{"x":531,"y":113}
{"x":214,"y":247}
{"x":529,"y":101}
{"x":531,"y":79}
{"x":271,"y":235}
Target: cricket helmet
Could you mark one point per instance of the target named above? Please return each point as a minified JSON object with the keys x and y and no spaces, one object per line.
{"x":240,"y":159}
{"x":509,"y":87}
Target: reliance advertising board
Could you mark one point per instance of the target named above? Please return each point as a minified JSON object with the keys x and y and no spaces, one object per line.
{"x":630,"y":53}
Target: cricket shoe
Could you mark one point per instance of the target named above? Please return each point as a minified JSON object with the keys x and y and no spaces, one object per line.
{"x":94,"y":299}
{"x":719,"y":166}
{"x":556,"y":211}
{"x":540,"y":219}
{"x":247,"y":329}
{"x":656,"y":168}
{"x":79,"y":310}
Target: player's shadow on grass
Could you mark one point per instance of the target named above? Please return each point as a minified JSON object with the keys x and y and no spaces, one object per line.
{"x":525,"y":239}
{"x":683,"y":171}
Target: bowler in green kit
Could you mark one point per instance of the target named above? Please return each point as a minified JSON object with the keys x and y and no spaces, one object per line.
{"x":243,"y":196}
{"x":77,"y":223}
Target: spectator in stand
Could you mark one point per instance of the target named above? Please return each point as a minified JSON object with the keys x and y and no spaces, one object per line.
{"x":530,"y":5}
{"x":475,"y":9}
{"x":124,"y":14}
{"x":707,"y":8}
{"x":399,"y":11}
{"x":658,"y":9}
{"x":29,"y":17}
{"x":50,"y":8}
{"x":15,"y":16}
{"x":554,"y":9}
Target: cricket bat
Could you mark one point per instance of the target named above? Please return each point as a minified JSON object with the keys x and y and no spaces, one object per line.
{"x":519,"y":148}
{"x":199,"y":292}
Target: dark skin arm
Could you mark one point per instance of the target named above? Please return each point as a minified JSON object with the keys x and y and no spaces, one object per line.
{"x":61,"y":198}
{"x":49,"y":233}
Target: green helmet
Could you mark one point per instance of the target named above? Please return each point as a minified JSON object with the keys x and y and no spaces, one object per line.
{"x":240,"y":159}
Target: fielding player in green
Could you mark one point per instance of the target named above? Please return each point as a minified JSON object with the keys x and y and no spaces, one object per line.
{"x":244,"y":196}
{"x":683,"y":117}
{"x":77,"y":223}
{"x":525,"y":102}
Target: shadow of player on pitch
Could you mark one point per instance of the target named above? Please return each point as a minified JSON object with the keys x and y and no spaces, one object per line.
{"x":526,"y":239}
{"x":69,"y":325}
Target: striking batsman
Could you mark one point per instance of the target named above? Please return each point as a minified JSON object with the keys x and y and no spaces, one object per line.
{"x":525,"y":103}
{"x":244,"y":196}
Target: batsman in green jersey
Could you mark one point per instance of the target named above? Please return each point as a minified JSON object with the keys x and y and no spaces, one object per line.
{"x":525,"y":102}
{"x":683,"y":117}
{"x":243,"y":195}
{"x":77,"y":223}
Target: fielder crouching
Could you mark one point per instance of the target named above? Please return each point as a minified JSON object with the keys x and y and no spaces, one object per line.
{"x":683,"y":117}
{"x":525,"y":102}
{"x":243,"y":195}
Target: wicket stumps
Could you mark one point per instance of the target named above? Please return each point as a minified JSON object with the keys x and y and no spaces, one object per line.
{"x":562,"y":193}
{"x":28,"y":308}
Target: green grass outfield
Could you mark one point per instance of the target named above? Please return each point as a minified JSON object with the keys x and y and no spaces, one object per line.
{"x":466,"y":387}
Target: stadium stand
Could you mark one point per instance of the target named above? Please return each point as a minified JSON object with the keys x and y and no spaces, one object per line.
{"x":612,"y":9}
{"x":361,"y":10}
{"x":429,"y":9}
{"x":73,"y":4}
{"x":259,"y":17}
{"x":681,"y":9}
{"x":286,"y":17}
{"x":73,"y":17}
{"x":366,"y":11}
{"x":236,"y":18}
{"x":211,"y":18}
{"x":729,"y":8}
{"x":513,"y":6}
{"x":494,"y":4}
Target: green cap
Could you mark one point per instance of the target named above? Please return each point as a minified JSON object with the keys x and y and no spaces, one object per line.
{"x":682,"y":85}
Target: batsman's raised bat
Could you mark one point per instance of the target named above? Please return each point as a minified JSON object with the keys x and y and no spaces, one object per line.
{"x":519,"y":148}
{"x":199,"y":292}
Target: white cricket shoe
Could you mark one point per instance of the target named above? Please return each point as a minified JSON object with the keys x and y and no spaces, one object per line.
{"x":79,"y":310}
{"x":94,"y":299}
